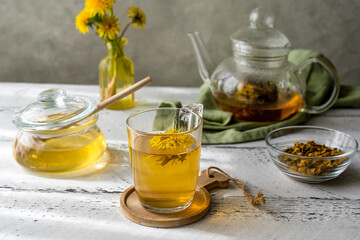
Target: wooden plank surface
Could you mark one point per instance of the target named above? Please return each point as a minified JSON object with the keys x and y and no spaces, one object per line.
{"x":33,"y":207}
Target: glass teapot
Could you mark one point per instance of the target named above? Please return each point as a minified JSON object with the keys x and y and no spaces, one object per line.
{"x":259,"y":83}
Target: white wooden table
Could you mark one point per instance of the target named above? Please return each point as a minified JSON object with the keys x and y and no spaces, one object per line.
{"x":87,"y":207}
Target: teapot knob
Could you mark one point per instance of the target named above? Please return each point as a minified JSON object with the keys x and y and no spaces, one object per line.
{"x":261,"y":18}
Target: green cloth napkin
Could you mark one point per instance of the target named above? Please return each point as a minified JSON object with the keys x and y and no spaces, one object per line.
{"x":220,"y":128}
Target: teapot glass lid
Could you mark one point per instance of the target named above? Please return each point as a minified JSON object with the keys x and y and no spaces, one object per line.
{"x":260,"y":38}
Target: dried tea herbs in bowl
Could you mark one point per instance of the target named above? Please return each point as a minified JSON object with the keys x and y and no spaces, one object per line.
{"x":312,"y":167}
{"x":311,"y":154}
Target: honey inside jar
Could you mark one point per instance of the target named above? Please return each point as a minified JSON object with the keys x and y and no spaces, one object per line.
{"x":60,"y":154}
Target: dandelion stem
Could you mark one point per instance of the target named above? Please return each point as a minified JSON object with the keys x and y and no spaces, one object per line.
{"x":123,"y":32}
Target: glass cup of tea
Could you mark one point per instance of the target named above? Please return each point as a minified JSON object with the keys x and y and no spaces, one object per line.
{"x":164,"y":146}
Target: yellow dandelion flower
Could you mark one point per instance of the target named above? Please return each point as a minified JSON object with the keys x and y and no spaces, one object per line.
{"x":173,"y":142}
{"x":137,"y":16}
{"x":108,"y":27}
{"x":81,"y":21}
{"x":98,"y":6}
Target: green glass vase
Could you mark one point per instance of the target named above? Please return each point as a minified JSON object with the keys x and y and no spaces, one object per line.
{"x":116,"y":72}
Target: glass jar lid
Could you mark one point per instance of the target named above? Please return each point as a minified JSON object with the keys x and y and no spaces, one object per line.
{"x":53,"y":109}
{"x":260,"y":39}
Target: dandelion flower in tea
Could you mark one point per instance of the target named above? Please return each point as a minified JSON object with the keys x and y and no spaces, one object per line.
{"x":164,"y":142}
{"x":175,"y":142}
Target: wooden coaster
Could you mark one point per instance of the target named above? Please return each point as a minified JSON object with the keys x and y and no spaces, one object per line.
{"x":133,"y":210}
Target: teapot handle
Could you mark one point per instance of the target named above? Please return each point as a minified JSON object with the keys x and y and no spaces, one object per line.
{"x":334,"y":77}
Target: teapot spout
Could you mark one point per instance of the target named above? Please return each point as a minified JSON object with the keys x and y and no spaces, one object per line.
{"x":205,"y":63}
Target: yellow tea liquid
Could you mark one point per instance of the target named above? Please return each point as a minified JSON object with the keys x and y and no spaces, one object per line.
{"x":164,"y":178}
{"x":281,"y":109}
{"x":61,"y":154}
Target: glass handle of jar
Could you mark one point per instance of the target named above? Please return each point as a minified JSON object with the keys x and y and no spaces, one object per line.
{"x":334,"y":77}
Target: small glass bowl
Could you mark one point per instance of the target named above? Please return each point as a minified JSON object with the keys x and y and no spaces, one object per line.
{"x":310,"y":169}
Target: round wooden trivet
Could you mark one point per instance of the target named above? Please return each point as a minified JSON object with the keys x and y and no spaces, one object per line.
{"x":132,"y":209}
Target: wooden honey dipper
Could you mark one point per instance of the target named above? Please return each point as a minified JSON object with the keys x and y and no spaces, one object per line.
{"x":113,"y":99}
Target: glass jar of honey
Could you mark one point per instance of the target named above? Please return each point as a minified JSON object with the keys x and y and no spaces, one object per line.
{"x":45,"y":144}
